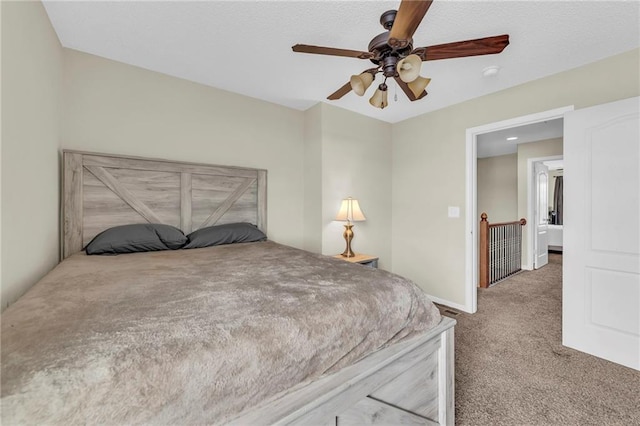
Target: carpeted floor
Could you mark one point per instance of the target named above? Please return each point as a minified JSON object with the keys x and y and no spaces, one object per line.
{"x":511,"y":367}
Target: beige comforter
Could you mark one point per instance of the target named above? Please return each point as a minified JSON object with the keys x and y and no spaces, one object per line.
{"x":192,"y":336}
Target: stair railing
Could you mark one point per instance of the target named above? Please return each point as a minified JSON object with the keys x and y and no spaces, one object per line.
{"x":500,"y":250}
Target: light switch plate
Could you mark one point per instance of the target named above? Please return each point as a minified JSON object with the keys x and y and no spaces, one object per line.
{"x":454,"y":211}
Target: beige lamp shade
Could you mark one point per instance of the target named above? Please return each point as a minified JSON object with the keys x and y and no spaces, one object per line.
{"x":360,"y":83}
{"x":379,"y":99}
{"x":409,"y":68}
{"x":350,"y":211}
{"x":418,"y":85}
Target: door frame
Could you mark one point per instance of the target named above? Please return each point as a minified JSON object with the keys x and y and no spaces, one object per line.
{"x":471,"y":193}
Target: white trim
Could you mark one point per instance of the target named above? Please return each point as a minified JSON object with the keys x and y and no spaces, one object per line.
{"x":471,"y":212}
{"x":531,"y":202}
{"x":471,"y":208}
{"x":444,"y":302}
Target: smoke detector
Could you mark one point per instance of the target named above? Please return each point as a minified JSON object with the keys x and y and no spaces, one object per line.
{"x":491,"y":71}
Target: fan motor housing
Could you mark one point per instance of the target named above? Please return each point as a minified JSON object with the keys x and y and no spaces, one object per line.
{"x":381,"y":49}
{"x":387,"y":19}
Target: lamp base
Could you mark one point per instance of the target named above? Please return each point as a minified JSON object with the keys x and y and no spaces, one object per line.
{"x":348,"y":236}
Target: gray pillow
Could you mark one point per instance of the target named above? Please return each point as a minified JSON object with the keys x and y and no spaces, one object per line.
{"x":137,"y":238}
{"x":225,"y":234}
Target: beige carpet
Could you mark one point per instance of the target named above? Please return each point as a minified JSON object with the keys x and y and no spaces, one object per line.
{"x":511,"y":367}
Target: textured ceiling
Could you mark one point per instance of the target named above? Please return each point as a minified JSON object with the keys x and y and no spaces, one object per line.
{"x":245,"y":47}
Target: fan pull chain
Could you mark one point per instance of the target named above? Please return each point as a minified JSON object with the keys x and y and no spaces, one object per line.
{"x":395,"y":94}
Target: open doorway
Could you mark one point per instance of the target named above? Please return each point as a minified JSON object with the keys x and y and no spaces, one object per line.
{"x":556,"y":205}
{"x":503,"y":130}
{"x":546,"y":192}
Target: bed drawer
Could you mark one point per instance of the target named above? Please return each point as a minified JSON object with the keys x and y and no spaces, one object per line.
{"x":401,"y":392}
{"x":409,"y":398}
{"x":410,"y":382}
{"x":372,"y":412}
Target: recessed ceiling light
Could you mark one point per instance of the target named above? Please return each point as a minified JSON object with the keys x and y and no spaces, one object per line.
{"x":512,"y":138}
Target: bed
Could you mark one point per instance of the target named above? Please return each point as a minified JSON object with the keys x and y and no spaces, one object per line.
{"x":252,"y":333}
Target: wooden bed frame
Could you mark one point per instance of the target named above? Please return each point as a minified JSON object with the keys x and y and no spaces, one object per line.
{"x":411,"y":382}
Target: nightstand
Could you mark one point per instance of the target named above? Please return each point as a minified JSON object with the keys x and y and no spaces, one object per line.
{"x":363,"y":259}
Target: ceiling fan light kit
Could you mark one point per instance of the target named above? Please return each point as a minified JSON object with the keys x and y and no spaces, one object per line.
{"x":409,"y":68}
{"x":419,"y":85}
{"x":360,"y":83}
{"x":394,"y":56}
{"x":379,"y":98}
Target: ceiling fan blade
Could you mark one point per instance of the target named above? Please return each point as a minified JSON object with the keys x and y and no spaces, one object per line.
{"x":405,"y":88}
{"x":409,"y":16}
{"x":320,"y":50}
{"x":460,"y":49}
{"x":340,"y":92}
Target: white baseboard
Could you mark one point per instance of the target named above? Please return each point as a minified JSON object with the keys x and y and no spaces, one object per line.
{"x":449,"y":304}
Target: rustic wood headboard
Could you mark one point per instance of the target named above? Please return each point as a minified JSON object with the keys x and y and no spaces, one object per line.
{"x":101,"y":191}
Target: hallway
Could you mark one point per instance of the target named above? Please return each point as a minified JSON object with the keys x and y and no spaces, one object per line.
{"x":511,"y":367}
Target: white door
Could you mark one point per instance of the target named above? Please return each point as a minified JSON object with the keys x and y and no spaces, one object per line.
{"x":541,"y":215}
{"x":601,"y":270}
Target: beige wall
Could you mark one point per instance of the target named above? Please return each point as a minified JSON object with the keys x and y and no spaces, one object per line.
{"x":31,"y":80}
{"x":116,"y":108}
{"x":315,"y":158}
{"x":347,"y":154}
{"x":526,"y":151}
{"x":1,"y":287}
{"x":111,"y":107}
{"x":429,"y":247}
{"x":57,"y":98}
{"x":356,"y":162}
{"x":498,"y":187}
{"x":313,"y":179}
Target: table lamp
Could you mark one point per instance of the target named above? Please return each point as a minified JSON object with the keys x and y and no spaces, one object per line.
{"x":349,"y":212}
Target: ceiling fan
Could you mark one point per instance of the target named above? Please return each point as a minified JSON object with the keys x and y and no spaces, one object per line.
{"x":395,"y":57}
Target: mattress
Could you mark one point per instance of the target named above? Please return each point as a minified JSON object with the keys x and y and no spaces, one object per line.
{"x":193,"y":336}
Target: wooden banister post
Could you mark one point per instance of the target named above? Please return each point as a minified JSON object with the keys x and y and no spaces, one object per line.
{"x":484,"y":252}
